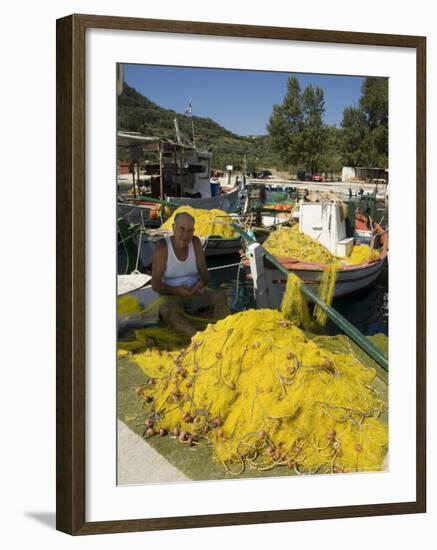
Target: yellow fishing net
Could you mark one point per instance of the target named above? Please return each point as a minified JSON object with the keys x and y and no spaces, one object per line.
{"x":127,"y":305}
{"x":325,"y":293}
{"x":361,"y":254}
{"x":294,"y":306}
{"x":207,"y":222}
{"x":256,"y":390}
{"x":290,"y":242}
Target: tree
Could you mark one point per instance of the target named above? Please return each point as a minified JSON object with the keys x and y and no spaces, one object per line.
{"x":365,"y":128}
{"x":286,"y":124}
{"x":332,"y":159}
{"x":374,"y":102}
{"x":296,"y":129}
{"x":355,"y":132}
{"x":314,"y":132}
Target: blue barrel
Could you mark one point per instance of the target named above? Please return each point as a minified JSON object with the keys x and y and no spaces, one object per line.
{"x":215,"y":189}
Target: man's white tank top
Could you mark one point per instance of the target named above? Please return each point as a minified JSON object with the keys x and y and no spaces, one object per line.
{"x":179,"y":273}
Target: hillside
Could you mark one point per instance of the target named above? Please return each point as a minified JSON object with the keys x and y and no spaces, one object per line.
{"x":136,"y":113}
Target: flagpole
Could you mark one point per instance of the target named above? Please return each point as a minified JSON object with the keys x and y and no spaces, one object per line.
{"x":192,"y":126}
{"x":189,"y":110}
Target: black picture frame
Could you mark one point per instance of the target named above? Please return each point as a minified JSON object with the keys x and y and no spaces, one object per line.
{"x":71,"y":252}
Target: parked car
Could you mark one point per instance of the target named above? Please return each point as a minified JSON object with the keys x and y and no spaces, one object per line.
{"x":303,"y":176}
{"x":317,"y":177}
{"x":264,"y":174}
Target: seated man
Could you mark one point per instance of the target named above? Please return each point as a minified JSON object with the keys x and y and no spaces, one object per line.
{"x":179,"y":270}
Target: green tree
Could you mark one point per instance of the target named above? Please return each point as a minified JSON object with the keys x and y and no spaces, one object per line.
{"x":296,"y":129}
{"x":314,"y":134}
{"x":355,"y":132}
{"x":286,"y":124}
{"x":332,"y":161}
{"x":374,"y":102}
{"x":365,"y":128}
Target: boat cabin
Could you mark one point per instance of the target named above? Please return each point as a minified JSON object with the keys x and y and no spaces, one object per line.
{"x":173,"y":169}
{"x":326,"y":223}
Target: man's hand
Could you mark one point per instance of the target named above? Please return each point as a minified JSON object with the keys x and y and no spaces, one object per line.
{"x":183,"y":291}
{"x":198,"y":288}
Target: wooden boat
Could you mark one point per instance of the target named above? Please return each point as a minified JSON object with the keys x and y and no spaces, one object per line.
{"x":142,"y":211}
{"x":350,"y":278}
{"x":177,"y":173}
{"x":213,"y":246}
{"x":326,"y":221}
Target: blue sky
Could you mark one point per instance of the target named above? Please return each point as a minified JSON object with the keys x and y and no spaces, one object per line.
{"x":241,"y":101}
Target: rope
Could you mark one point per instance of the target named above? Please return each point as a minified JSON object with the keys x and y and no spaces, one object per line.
{"x":126,"y":265}
{"x":122,"y":241}
{"x":223,"y":266}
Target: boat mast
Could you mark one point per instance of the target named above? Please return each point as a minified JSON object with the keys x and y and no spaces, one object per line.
{"x":189,"y":112}
{"x":161,"y":175}
{"x":192,"y":127}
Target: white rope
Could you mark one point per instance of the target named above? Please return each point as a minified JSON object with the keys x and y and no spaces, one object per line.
{"x":223,"y":266}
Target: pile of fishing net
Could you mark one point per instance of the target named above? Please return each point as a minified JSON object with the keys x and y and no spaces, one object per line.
{"x":361,"y":254}
{"x":262,"y":394}
{"x":208,"y":223}
{"x":292,"y":243}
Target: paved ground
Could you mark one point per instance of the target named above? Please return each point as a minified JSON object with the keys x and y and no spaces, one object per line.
{"x":125,"y":182}
{"x":139,"y":463}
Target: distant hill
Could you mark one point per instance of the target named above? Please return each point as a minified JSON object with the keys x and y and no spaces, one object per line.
{"x":136,"y":113}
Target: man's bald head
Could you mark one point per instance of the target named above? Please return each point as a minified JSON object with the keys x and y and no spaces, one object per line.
{"x":183,"y":216}
{"x":183,"y":229}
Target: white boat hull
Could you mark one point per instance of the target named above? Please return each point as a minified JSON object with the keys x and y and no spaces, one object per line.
{"x":349,"y":280}
{"x":226,"y":201}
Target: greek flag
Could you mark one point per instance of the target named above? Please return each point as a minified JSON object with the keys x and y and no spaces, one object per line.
{"x":188,"y":110}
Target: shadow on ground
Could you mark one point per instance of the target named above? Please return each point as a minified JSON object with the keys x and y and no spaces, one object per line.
{"x":45,"y":518}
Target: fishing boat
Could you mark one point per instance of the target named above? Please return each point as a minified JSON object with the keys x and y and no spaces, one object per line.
{"x":350,"y":278}
{"x":177,"y":173}
{"x":213,"y":246}
{"x":367,"y":231}
{"x":324,"y":222}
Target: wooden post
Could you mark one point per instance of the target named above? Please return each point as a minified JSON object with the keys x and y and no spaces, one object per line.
{"x":258,"y":275}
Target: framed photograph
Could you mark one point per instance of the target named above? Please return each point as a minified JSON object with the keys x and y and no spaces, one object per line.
{"x":240,"y":333}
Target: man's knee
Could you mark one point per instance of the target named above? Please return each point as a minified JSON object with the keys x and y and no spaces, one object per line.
{"x":168,"y":308}
{"x":217,"y":296}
